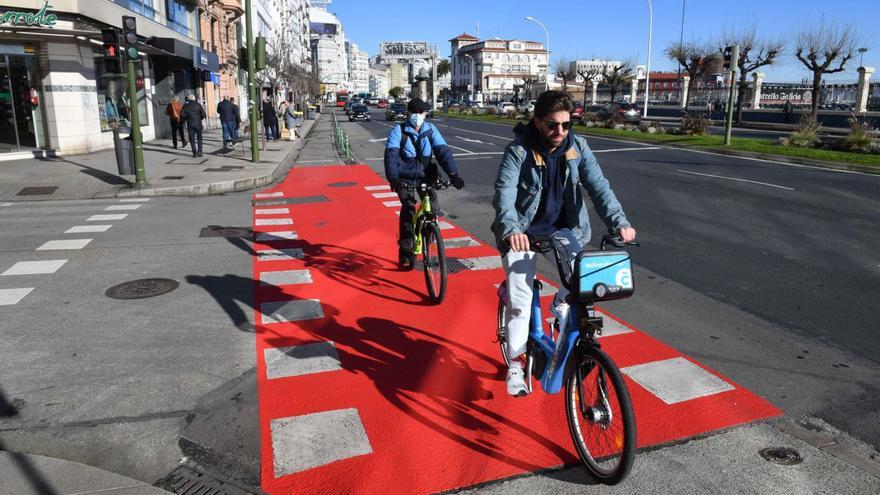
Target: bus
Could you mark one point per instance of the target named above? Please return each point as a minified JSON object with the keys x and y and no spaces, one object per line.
{"x":341,"y":98}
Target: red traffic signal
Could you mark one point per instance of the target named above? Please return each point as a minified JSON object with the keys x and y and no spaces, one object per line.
{"x":111,"y":50}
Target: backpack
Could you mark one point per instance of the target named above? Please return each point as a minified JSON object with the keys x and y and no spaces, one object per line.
{"x":429,"y":165}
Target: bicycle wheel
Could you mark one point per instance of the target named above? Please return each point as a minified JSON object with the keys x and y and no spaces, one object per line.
{"x":600,"y":415}
{"x":434,"y":262}
{"x":501,"y":330}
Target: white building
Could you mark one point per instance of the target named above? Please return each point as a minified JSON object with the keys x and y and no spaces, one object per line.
{"x":594,"y":66}
{"x":379,"y":80}
{"x":297,"y":22}
{"x":491,"y":68}
{"x":358,"y":68}
{"x":328,"y":49}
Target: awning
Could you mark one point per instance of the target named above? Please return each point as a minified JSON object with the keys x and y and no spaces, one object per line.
{"x":173,"y":47}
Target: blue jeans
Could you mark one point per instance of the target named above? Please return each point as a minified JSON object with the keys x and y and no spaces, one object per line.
{"x":230,"y":132}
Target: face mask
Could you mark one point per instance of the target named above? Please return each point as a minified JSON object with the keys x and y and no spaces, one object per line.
{"x":417,"y":119}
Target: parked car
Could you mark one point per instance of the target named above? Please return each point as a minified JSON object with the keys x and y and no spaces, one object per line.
{"x":382,"y":104}
{"x":473,"y":104}
{"x":360,"y":111}
{"x":374,"y":101}
{"x":577,"y":114}
{"x":505,"y":106}
{"x":527,"y":106}
{"x":429,"y":110}
{"x":630,"y":112}
{"x":396,"y":111}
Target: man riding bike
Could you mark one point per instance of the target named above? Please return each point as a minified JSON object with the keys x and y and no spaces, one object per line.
{"x":538,"y":194}
{"x":408,"y":162}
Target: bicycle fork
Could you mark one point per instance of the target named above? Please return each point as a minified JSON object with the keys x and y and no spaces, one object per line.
{"x":600,"y":413}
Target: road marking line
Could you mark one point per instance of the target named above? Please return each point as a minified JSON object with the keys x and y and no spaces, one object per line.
{"x":391,"y":204}
{"x":269,"y":195}
{"x":445,"y":225}
{"x":676,"y":380}
{"x":459,"y":242}
{"x":64,"y":244}
{"x":377,"y":188}
{"x":737,"y":179}
{"x":8,"y":297}
{"x":629,"y":149}
{"x":385,"y":195}
{"x":311,"y":440}
{"x":286,"y":277}
{"x":83,"y":229}
{"x":287,"y":311}
{"x":510,"y":138}
{"x":4,"y":205}
{"x":478,"y":153}
{"x":273,"y":221}
{"x":280,"y":254}
{"x":283,"y":362}
{"x":270,"y":211}
{"x":378,"y":140}
{"x":474,"y":140}
{"x":469,"y":152}
{"x":34,"y":267}
{"x":134,"y":200}
{"x":482,"y":263}
{"x":121,"y":207}
{"x":281,"y":235}
{"x":104,"y":218}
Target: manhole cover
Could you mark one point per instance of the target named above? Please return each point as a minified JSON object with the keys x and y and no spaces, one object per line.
{"x":140,"y":289}
{"x":221,"y":231}
{"x":782,"y":455}
{"x":342,"y":184}
{"x":187,"y":480}
{"x":455,"y":266}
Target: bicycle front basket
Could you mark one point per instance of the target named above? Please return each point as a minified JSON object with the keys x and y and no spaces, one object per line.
{"x":603,"y":275}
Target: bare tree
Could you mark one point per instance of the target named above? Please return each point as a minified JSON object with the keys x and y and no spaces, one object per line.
{"x":614,"y":75}
{"x":825,"y":49}
{"x":694,"y":58}
{"x":562,"y":69}
{"x":754,"y":53}
{"x":589,"y":74}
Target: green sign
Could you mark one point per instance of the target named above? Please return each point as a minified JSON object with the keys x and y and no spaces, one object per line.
{"x":39,"y":18}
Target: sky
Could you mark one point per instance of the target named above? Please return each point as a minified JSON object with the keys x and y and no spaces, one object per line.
{"x":615,"y":30}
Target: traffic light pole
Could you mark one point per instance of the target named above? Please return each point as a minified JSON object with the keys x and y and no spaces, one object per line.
{"x":252,"y":90}
{"x":734,"y":63}
{"x":140,"y":179}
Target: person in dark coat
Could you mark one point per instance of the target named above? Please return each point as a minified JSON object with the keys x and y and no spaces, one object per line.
{"x":193,"y":114}
{"x":270,"y":120}
{"x":226,"y":112}
{"x":237,"y":115}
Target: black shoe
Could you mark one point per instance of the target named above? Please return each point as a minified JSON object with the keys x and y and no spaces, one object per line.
{"x":200,"y":153}
{"x":406,"y":262}
{"x":194,"y":156}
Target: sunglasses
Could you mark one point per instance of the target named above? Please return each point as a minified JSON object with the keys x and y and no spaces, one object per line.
{"x":553,"y":125}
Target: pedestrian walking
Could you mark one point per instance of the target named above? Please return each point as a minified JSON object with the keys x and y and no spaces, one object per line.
{"x":270,"y":120}
{"x":237,"y":115}
{"x":193,"y":114}
{"x":787,"y":110}
{"x":226,"y":111}
{"x":290,"y":120}
{"x":173,"y":112}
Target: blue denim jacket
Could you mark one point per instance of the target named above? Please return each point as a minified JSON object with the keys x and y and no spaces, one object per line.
{"x":518,"y":191}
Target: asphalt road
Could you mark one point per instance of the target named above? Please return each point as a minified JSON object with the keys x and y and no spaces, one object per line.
{"x":767,"y":271}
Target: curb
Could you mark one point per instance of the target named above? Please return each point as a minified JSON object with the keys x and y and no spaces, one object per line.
{"x":847,"y":167}
{"x":224,"y":186}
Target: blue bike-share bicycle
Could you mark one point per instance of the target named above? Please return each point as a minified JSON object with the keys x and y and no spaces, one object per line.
{"x":598,"y":406}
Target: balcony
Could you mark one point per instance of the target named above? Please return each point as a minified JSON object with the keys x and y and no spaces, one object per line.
{"x":232,"y":6}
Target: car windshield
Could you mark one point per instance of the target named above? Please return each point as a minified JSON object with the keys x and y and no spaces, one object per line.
{"x":359,"y":108}
{"x":398,"y":107}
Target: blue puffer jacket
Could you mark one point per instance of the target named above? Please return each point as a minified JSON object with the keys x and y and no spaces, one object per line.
{"x":401,"y":160}
{"x":518,"y":190}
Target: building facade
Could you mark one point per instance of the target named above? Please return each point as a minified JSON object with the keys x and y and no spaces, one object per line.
{"x":379,"y":80}
{"x":593,"y":67}
{"x":493,"y":69}
{"x":327,"y":41}
{"x":358,"y":68}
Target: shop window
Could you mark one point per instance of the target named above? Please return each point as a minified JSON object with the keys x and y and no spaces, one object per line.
{"x":178,"y":16}
{"x":113,"y":100}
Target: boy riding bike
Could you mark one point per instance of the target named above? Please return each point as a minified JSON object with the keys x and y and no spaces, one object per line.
{"x":408,"y":162}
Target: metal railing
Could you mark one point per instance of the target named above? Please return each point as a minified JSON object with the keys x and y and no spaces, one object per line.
{"x":340,"y":138}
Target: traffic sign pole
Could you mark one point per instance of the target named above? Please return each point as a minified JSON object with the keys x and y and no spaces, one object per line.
{"x":136,"y":141}
{"x":252,"y":90}
{"x":734,"y":62}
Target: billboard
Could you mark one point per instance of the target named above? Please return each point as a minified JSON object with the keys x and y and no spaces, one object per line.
{"x":404,"y":49}
{"x":322,"y":28}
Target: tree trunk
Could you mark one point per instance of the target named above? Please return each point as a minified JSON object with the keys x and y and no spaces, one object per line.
{"x":739,"y":97}
{"x":690,"y":93}
{"x":817,"y":82}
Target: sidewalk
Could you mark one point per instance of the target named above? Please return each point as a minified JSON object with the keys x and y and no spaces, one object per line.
{"x":169,"y":171}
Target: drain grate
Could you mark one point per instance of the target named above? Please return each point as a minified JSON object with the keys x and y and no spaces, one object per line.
{"x":142,"y":289}
{"x":342,"y":184}
{"x":185,"y":480}
{"x":453,"y":265}
{"x":221,"y":231}
{"x":782,"y":455}
{"x":37,"y":191}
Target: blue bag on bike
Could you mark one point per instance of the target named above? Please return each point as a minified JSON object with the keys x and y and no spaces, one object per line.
{"x":603,"y":275}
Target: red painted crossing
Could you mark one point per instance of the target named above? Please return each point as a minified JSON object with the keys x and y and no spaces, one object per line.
{"x":426,"y":381}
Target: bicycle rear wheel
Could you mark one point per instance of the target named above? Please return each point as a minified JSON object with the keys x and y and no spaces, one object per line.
{"x":600,"y":415}
{"x":434,"y":262}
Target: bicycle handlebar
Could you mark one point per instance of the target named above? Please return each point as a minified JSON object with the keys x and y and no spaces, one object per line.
{"x":437,"y":185}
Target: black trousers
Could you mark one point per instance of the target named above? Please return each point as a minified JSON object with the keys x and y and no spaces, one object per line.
{"x":195,"y":138}
{"x":177,"y":129}
{"x":408,"y":201}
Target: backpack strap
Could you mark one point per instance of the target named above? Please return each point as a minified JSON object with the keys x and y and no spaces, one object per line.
{"x":416,"y":145}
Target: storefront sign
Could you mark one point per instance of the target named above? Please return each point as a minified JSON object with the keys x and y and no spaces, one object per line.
{"x":39,"y":18}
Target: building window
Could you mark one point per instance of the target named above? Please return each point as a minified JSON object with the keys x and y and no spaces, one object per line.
{"x":113,"y":100}
{"x":142,"y":7}
{"x":178,"y":17}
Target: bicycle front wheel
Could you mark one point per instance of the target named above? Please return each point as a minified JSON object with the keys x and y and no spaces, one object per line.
{"x":434,"y":262}
{"x":600,"y":415}
{"x":501,"y":330}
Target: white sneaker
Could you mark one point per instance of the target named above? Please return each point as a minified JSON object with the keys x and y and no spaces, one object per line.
{"x":516,"y":384}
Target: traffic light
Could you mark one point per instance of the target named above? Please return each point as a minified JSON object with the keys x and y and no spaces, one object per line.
{"x":110,"y":51}
{"x":242,"y":57}
{"x":728,"y":55}
{"x":260,"y":53}
{"x":130,"y":37}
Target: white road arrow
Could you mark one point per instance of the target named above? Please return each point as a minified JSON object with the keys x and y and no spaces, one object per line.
{"x":378,"y":140}
{"x":474,"y":140}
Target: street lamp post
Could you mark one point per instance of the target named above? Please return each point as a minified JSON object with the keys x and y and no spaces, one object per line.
{"x":648,"y":68}
{"x":862,"y":56}
{"x":473,"y":73}
{"x":547,"y":34}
